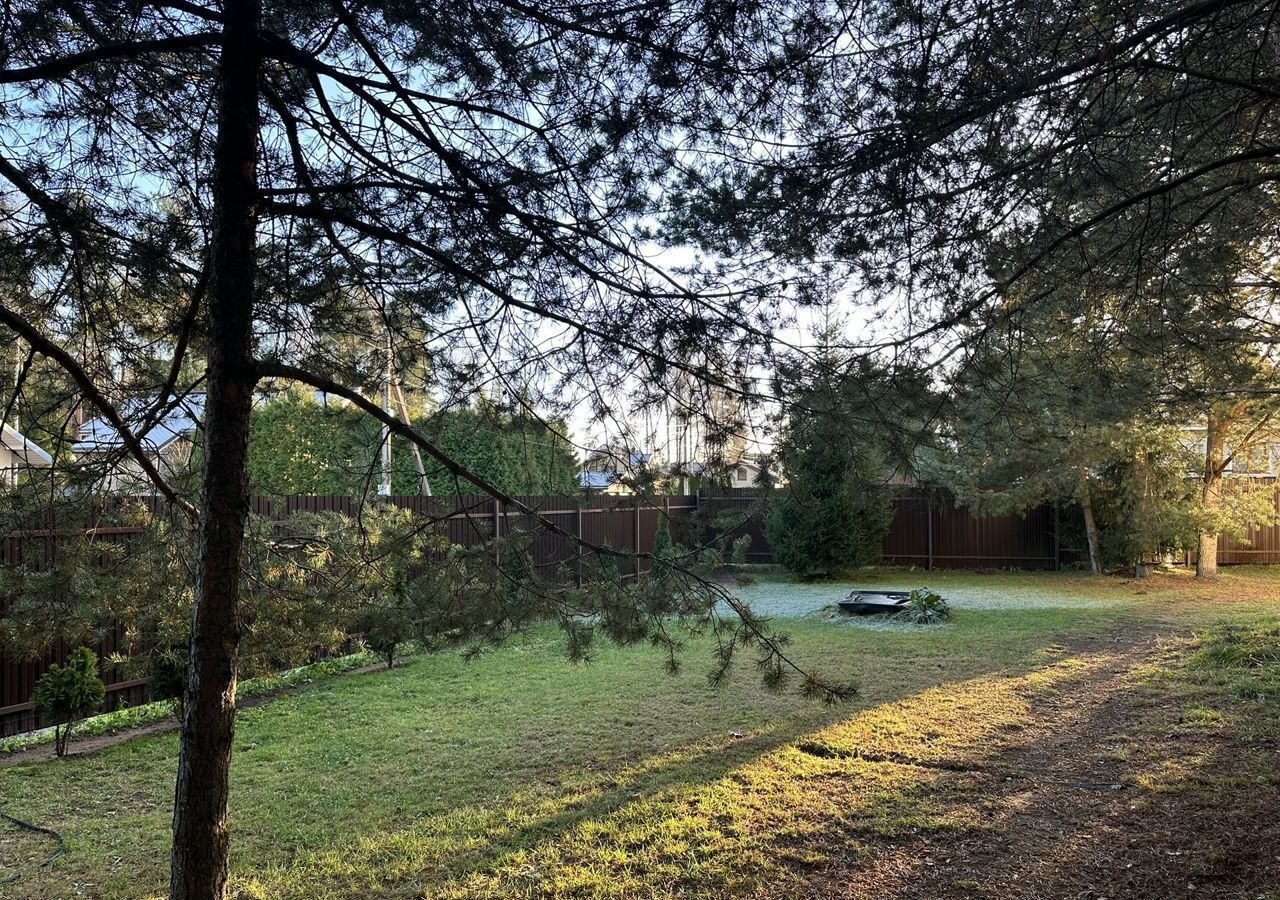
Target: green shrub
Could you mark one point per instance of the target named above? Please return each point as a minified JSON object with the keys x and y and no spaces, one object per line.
{"x":384,"y":628}
{"x":168,"y":673}
{"x":663,"y":546}
{"x":607,"y":570}
{"x":68,"y":693}
{"x":924,"y":607}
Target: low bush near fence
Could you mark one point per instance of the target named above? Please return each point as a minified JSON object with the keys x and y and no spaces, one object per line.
{"x":66,"y":694}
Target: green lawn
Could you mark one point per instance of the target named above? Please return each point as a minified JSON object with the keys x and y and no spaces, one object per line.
{"x":521,"y":775}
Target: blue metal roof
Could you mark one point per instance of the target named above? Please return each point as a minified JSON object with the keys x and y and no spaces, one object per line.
{"x":99,"y":435}
{"x":596,"y":479}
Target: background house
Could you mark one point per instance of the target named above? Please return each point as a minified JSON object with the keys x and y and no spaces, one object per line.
{"x":745,"y":473}
{"x":1260,"y":459}
{"x":605,"y":470}
{"x":168,"y":443}
{"x":17,"y":454}
{"x":602,"y":483}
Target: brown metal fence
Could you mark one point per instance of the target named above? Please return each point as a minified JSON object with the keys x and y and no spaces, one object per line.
{"x":18,"y":678}
{"x":1260,"y":545}
{"x":930,"y":531}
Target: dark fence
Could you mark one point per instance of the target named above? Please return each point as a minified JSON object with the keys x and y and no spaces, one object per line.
{"x":623,"y":523}
{"x":18,"y":679}
{"x":930,"y":531}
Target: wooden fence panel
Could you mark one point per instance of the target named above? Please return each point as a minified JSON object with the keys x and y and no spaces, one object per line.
{"x":749,"y":522}
{"x":18,"y":677}
{"x":931,"y":532}
{"x":909,"y":542}
{"x":962,"y":540}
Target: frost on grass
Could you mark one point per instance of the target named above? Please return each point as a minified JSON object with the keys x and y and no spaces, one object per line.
{"x":880,"y":622}
{"x":793,"y":600}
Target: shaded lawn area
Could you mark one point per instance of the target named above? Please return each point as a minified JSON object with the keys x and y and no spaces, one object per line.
{"x":522,"y":775}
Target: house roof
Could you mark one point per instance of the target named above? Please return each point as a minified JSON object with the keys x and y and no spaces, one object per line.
{"x":596,"y":479}
{"x":98,"y":435}
{"x":26,"y":450}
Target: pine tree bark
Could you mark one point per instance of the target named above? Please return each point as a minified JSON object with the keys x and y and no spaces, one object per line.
{"x":1211,"y":494}
{"x":1090,"y":525}
{"x":200,"y":835}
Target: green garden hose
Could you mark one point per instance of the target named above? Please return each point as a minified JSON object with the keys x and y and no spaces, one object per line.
{"x":62,"y":847}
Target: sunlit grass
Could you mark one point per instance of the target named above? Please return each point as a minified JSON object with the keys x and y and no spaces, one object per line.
{"x":1227,"y":675}
{"x":652,"y":829}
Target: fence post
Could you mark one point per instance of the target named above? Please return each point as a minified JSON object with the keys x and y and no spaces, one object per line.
{"x":1057,"y":537}
{"x":497,"y":528}
{"x":666,"y":510}
{"x":578,"y":543}
{"x":929,"y":529}
{"x":635,"y":526}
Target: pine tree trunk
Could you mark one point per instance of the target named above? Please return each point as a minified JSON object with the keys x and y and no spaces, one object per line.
{"x":200,"y":836}
{"x":1211,"y":495}
{"x":1090,"y":526}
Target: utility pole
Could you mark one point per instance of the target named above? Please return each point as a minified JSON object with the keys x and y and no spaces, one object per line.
{"x":424,"y":484}
{"x":384,"y":489}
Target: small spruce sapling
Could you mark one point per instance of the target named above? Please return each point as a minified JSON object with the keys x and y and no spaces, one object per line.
{"x":168,"y":673}
{"x":384,"y":628}
{"x":68,"y":693}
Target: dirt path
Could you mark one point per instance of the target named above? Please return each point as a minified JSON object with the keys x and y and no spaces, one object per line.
{"x":1107,"y":795}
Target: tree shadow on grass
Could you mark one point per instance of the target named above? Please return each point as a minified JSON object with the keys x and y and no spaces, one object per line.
{"x":1109,"y":793}
{"x":702,"y":820}
{"x":688,"y":806}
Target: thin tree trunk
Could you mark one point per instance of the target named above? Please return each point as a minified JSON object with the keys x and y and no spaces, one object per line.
{"x":1090,"y":526}
{"x":1211,"y":495}
{"x":200,"y":835}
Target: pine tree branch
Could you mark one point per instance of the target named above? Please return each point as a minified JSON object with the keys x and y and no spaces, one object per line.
{"x":64,"y":66}
{"x":46,"y":347}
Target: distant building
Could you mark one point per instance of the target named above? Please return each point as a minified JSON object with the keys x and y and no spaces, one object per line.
{"x":167,"y":442}
{"x":745,"y":473}
{"x":602,"y":483}
{"x":606,"y":471}
{"x":17,"y":454}
{"x":1260,"y":459}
